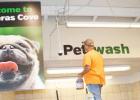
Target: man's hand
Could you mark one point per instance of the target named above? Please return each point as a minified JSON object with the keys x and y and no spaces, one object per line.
{"x":80,"y":75}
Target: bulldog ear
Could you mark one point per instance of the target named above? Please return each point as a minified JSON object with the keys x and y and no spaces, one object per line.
{"x":34,"y":44}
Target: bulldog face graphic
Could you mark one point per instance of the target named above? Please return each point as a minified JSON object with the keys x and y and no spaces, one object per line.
{"x":19,"y":65}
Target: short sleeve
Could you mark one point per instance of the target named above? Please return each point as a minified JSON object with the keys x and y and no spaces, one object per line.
{"x":86,"y":60}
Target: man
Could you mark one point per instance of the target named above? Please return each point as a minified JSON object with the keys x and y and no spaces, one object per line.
{"x":93,"y":71}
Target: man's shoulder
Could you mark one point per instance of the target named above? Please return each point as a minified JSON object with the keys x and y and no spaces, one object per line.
{"x":93,"y":53}
{"x":97,"y":54}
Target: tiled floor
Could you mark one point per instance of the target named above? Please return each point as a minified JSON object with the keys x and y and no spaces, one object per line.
{"x":109,"y":92}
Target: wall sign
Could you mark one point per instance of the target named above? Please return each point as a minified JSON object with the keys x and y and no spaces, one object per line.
{"x":120,"y":49}
{"x":21,"y":53}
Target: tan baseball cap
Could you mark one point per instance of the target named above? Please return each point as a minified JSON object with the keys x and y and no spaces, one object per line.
{"x":88,"y":42}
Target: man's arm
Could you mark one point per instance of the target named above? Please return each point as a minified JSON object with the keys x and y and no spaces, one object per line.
{"x":86,"y":69}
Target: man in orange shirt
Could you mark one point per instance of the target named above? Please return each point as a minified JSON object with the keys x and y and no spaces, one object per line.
{"x":93,"y":71}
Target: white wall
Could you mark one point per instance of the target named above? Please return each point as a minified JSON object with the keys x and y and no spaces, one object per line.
{"x":54,"y":40}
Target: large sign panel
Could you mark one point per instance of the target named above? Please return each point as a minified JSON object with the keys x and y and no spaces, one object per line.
{"x":21,"y":51}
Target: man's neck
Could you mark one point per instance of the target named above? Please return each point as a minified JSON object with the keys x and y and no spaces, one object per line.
{"x":89,"y":49}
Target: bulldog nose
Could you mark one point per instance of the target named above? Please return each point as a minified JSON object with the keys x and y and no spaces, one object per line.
{"x":7,"y":51}
{"x":8,"y":47}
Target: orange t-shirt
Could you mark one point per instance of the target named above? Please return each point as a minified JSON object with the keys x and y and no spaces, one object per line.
{"x":96,"y":73}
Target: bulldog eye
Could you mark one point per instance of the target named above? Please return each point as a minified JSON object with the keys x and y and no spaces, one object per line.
{"x":22,"y":45}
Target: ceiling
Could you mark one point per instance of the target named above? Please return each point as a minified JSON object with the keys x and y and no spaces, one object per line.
{"x":92,"y":10}
{"x":125,"y":11}
{"x":95,"y":3}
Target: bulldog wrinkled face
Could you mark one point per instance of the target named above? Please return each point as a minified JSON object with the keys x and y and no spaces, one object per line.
{"x":17,"y":59}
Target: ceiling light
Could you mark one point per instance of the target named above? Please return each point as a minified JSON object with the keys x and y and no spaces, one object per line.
{"x":135,"y":25}
{"x":109,"y":77}
{"x":64,"y":70}
{"x":103,"y":24}
{"x":115,"y":68}
{"x":71,"y":79}
{"x":70,"y":70}
{"x":68,"y":82}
